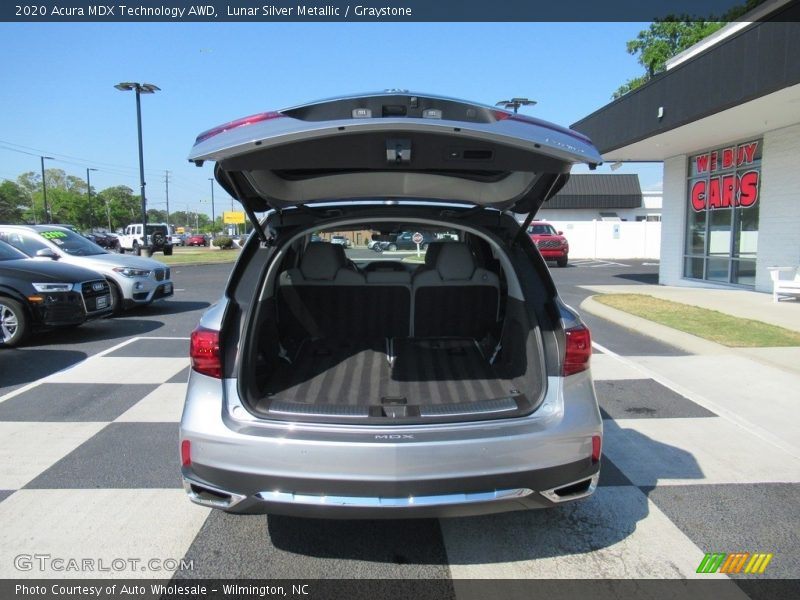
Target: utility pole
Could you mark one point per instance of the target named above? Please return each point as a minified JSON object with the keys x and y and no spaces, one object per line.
{"x":213,"y":216}
{"x":44,"y":192}
{"x":89,"y":197}
{"x":166,"y":181}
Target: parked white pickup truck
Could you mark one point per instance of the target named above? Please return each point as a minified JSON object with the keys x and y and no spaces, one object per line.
{"x":158,"y":239}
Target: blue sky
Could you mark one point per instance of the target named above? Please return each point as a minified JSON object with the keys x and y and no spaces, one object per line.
{"x":58,"y":99}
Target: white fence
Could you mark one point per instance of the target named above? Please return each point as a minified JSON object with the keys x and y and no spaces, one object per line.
{"x":612,"y":239}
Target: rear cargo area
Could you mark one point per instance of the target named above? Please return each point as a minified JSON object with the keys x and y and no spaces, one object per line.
{"x":402,"y":345}
{"x":388,"y":372}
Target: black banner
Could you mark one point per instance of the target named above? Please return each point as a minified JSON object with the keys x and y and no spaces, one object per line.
{"x":371,"y":589}
{"x":41,"y":11}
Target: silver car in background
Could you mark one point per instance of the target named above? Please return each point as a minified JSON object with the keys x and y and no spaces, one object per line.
{"x":133,"y":280}
{"x":460,"y":386}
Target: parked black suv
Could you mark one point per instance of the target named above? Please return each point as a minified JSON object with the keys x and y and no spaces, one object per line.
{"x":36,"y":294}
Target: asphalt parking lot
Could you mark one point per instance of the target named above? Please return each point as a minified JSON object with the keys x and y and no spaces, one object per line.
{"x":88,"y":447}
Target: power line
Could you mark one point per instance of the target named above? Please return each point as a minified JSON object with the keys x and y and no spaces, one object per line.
{"x":67,"y":157}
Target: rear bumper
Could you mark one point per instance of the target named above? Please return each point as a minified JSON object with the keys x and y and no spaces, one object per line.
{"x":478,"y":495}
{"x":245,"y":465}
{"x":551,"y":253}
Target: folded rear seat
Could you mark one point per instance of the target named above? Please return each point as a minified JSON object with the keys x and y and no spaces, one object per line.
{"x":456,"y":298}
{"x":325,"y":298}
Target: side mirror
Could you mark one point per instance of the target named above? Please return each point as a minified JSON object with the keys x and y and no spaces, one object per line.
{"x":47,"y":253}
{"x":560,"y":233}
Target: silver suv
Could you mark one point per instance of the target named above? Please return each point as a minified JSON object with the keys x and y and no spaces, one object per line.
{"x":133,"y":280}
{"x":454,"y":387}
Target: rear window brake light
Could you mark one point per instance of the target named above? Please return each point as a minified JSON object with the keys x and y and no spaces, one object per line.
{"x":238,"y":123}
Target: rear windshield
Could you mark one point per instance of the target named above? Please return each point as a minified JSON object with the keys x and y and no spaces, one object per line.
{"x":542,"y":230}
{"x":72,"y":243}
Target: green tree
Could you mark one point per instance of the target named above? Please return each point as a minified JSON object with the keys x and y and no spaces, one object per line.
{"x":13,"y":200}
{"x":155,"y":215}
{"x":122,"y":207}
{"x":660,"y":42}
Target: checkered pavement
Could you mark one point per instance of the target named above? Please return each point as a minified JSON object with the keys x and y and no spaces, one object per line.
{"x":89,"y":469}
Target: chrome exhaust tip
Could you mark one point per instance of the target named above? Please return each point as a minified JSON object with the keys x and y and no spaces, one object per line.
{"x":211,"y":497}
{"x":572,"y":491}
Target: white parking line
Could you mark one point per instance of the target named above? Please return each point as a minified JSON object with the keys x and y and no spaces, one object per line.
{"x":33,"y":384}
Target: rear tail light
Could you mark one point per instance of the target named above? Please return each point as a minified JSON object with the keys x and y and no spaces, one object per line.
{"x":579,"y":350}
{"x":186,"y":453}
{"x":204,"y":352}
{"x":237,"y":123}
{"x":596,"y":448}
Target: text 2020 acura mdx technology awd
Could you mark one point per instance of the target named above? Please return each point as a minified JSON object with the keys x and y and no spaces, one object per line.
{"x":322,"y":386}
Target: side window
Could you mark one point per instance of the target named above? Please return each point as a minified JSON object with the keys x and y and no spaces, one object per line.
{"x":27,"y":243}
{"x":128,"y":230}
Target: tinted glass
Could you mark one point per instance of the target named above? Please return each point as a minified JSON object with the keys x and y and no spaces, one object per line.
{"x":542,"y":230}
{"x":8,"y":252}
{"x":71,"y":243}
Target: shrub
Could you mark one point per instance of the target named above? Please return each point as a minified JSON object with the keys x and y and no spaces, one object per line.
{"x":223,"y":242}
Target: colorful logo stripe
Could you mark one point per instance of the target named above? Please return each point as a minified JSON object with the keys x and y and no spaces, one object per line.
{"x":734,"y":562}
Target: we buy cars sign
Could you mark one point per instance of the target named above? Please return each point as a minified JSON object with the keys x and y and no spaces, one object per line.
{"x":726,"y":178}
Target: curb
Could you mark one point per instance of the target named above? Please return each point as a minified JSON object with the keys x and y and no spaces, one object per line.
{"x":199,"y":264}
{"x":685,"y":341}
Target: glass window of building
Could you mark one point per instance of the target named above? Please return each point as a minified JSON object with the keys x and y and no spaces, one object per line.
{"x":722,"y":214}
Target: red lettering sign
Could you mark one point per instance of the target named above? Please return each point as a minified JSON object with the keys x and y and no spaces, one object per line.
{"x":727,"y":158}
{"x":726,"y":191}
{"x":699,"y":195}
{"x":701,"y":163}
{"x":746,"y":154}
{"x":748,"y":189}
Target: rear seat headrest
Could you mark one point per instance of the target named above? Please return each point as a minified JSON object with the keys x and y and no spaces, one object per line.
{"x":455,"y":261}
{"x":322,"y":260}
{"x":432,"y":254}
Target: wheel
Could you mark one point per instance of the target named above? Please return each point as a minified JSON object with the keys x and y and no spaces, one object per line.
{"x":168,"y":251}
{"x":136,"y":249}
{"x":14,"y":322}
{"x":392,"y":247}
{"x":117,"y":301}
{"x":562,"y":262}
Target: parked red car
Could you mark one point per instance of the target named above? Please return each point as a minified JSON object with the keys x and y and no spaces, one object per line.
{"x":551,"y":243}
{"x":198,"y":239}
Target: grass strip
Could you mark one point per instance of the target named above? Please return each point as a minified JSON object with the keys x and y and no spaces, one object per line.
{"x":190,"y":256}
{"x":708,"y":324}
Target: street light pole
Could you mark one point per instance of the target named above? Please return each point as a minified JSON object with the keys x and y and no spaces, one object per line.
{"x":44,"y":193}
{"x":213,"y":216}
{"x":515,"y":103}
{"x":140,"y":88}
{"x":89,"y":197}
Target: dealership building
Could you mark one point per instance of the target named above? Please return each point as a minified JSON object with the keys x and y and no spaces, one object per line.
{"x":725,"y":120}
